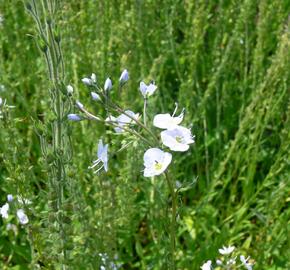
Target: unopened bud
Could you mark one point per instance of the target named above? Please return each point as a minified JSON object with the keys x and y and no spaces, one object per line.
{"x":108,"y":84}
{"x":74,"y":117}
{"x":69,"y":89}
{"x":95,"y":96}
{"x":124,"y":76}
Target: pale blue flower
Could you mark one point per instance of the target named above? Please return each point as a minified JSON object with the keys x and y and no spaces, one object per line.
{"x":245,"y":262}
{"x":156,"y":162}
{"x":102,"y":155}
{"x":147,"y":90}
{"x":22,"y":217}
{"x":4,"y":210}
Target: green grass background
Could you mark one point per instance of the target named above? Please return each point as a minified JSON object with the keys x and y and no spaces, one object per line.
{"x":226,"y":62}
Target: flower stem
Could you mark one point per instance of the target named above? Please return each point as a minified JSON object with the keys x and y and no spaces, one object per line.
{"x":144,"y":111}
{"x":172,"y":221}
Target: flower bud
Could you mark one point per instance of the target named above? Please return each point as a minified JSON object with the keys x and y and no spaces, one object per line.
{"x":9,"y":197}
{"x":87,"y":81}
{"x":1,"y":101}
{"x":69,"y":89}
{"x":93,"y":78}
{"x":95,"y":96}
{"x":79,"y":105}
{"x":74,"y":117}
{"x":108,"y":84}
{"x":124,"y":76}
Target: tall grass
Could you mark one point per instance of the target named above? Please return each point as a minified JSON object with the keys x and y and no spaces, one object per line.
{"x":226,"y":62}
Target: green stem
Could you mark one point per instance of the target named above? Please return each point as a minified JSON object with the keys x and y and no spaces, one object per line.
{"x":173,"y":221}
{"x":144,"y":111}
{"x":133,"y":132}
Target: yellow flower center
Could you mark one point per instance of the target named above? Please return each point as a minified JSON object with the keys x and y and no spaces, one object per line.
{"x":158,"y":166}
{"x":178,"y":139}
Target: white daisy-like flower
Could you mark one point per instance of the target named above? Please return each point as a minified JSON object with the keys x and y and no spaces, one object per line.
{"x":206,"y":266}
{"x":226,"y":250}
{"x":177,"y":139}
{"x":156,"y":162}
{"x":123,"y":120}
{"x":245,"y":262}
{"x":102,"y":155}
{"x":167,"y":121}
{"x":124,"y":76}
{"x":108,"y":84}
{"x":4,"y":210}
{"x":22,"y":217}
{"x":147,"y":90}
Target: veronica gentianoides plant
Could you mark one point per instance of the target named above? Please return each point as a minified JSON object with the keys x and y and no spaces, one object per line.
{"x":156,"y":159}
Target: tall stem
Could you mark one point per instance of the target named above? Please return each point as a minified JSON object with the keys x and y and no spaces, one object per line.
{"x":43,"y":14}
{"x":170,"y":184}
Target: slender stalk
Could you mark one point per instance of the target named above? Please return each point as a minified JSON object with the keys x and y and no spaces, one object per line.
{"x":173,"y":220}
{"x":43,"y":14}
{"x":144,"y":111}
{"x":133,"y":132}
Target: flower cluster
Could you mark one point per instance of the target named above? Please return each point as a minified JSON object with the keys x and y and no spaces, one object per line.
{"x":228,"y":261}
{"x":174,"y":136}
{"x":20,"y":213}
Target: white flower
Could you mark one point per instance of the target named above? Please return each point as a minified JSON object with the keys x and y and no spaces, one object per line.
{"x":4,"y":210}
{"x":147,"y":90}
{"x":74,"y":117}
{"x":69,"y":89}
{"x":124,"y":76}
{"x":95,"y":96}
{"x":206,"y":266}
{"x":244,"y":261}
{"x":108,"y":84}
{"x":167,"y":121}
{"x":177,"y":139}
{"x":9,"y":197}
{"x":156,"y":162}
{"x":22,"y":217}
{"x":1,"y":101}
{"x":123,"y":120}
{"x":102,"y":155}
{"x":226,"y":250}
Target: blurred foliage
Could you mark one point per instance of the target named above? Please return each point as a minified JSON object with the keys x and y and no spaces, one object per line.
{"x":226,"y":62}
